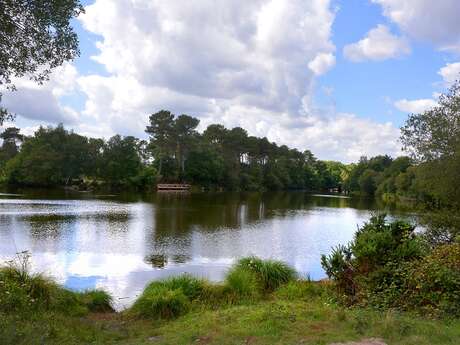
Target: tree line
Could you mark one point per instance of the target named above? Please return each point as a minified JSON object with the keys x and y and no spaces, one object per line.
{"x":218,"y":158}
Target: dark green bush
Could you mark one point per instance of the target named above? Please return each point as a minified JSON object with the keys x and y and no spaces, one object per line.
{"x":388,"y":266}
{"x":374,"y":268}
{"x":433,"y":283}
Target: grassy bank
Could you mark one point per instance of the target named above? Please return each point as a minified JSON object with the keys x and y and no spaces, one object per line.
{"x":276,"y":320}
{"x":260,"y":302}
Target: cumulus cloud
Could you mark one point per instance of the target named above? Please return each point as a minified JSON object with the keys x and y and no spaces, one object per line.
{"x":426,"y":20}
{"x":42,"y":102}
{"x":415,"y":106}
{"x":378,"y":44}
{"x":240,"y":63}
{"x":250,"y":52}
{"x":322,"y":63}
{"x":450,"y":72}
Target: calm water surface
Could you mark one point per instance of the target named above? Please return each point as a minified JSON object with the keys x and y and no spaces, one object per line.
{"x":119,"y":243}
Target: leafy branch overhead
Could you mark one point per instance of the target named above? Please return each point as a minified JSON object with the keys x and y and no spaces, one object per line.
{"x":35,"y":37}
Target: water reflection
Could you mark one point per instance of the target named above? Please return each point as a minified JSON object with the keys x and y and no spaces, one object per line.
{"x":120,"y":243}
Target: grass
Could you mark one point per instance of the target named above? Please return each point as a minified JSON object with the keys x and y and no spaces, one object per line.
{"x":22,"y":292}
{"x":241,"y":285}
{"x":271,"y":273}
{"x":245,"y":309}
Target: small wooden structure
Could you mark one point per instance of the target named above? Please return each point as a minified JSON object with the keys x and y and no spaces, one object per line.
{"x":173,"y":187}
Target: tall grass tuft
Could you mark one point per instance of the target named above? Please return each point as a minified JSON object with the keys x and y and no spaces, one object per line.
{"x":169,"y":298}
{"x":241,"y":284}
{"x":190,"y":286}
{"x":271,"y":273}
{"x":23,"y":292}
{"x":300,"y":290}
{"x":160,"y":302}
{"x":97,"y":301}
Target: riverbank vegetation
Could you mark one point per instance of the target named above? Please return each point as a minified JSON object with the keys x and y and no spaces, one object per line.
{"x":259,"y":302}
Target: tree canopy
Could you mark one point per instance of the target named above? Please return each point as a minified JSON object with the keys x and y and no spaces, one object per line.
{"x":35,"y":37}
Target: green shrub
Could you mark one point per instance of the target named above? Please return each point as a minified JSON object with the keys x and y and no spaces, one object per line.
{"x":241,"y":284}
{"x":368,"y":270}
{"x":270,"y":273}
{"x":433,"y":283}
{"x":160,"y":302}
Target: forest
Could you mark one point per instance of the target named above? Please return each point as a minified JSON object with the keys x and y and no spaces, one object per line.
{"x":219,"y":158}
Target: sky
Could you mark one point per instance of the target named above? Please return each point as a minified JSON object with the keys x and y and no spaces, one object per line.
{"x":337,"y":77}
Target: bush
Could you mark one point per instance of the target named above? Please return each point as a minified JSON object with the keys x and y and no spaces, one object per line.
{"x":369,"y":269}
{"x":241,"y":284}
{"x":270,"y":273}
{"x":160,"y":302}
{"x":433,"y":283}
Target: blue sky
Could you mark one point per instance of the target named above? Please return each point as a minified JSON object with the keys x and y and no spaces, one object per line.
{"x":337,"y":77}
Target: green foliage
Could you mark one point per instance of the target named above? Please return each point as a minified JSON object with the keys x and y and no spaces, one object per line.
{"x":176,"y":152}
{"x":380,"y":175}
{"x":169,"y":298}
{"x":55,"y":156}
{"x":24,"y":292}
{"x":433,"y":139}
{"x":190,"y":286}
{"x":433,"y":283}
{"x":232,"y":159}
{"x":242,"y":284}
{"x":160,"y":302}
{"x":270,"y":273}
{"x":97,"y":301}
{"x":301,"y":290}
{"x":246,"y":282}
{"x":40,"y":37}
{"x":389,"y":266}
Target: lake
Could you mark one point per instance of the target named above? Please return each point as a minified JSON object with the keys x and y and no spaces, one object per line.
{"x":119,"y":243}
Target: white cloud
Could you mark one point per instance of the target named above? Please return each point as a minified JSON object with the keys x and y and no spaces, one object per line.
{"x":378,"y":44}
{"x":322,"y":63}
{"x":251,"y":52}
{"x":240,"y":63}
{"x":426,"y":20}
{"x":450,"y":72}
{"x":415,"y":106}
{"x":42,"y":102}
